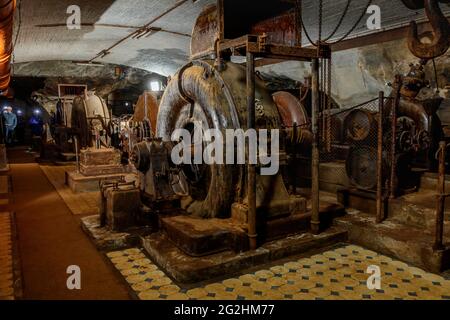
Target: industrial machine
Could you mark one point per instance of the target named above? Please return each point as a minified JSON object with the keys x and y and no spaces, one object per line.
{"x":139,"y":126}
{"x":228,"y":209}
{"x":417,"y":132}
{"x":201,"y":217}
{"x":58,"y":143}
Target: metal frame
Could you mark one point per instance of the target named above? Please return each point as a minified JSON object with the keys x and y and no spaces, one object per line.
{"x":441,"y":196}
{"x":255,"y":46}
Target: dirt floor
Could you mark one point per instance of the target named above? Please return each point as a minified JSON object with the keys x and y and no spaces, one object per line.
{"x":50,"y":240}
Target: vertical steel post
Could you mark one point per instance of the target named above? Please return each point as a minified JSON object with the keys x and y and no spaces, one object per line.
{"x":380,"y":214}
{"x":393,"y":179}
{"x":77,"y":157}
{"x":251,"y":174}
{"x":440,"y":206}
{"x":315,"y":220}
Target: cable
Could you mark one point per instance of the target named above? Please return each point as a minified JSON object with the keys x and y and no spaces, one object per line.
{"x":356,"y":24}
{"x":340,"y":21}
{"x":139,"y":31}
{"x":303,"y":27}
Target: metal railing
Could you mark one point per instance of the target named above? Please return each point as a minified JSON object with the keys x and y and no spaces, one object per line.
{"x":441,"y":196}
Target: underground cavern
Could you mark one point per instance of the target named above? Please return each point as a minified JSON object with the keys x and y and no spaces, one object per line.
{"x":221,"y":150}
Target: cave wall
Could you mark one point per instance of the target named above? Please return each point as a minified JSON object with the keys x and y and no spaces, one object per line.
{"x":359,"y":74}
{"x":103,"y":80}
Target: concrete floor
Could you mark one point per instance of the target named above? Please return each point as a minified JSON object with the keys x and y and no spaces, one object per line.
{"x":50,"y":240}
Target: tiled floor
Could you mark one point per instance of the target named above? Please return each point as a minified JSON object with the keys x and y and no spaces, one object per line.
{"x":6,"y":258}
{"x":79,"y":204}
{"x":338,"y":274}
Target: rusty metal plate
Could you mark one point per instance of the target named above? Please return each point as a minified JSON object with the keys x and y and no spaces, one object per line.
{"x":281,"y":30}
{"x":360,"y":125}
{"x":205,"y":32}
{"x":291,"y":109}
{"x":147,"y":109}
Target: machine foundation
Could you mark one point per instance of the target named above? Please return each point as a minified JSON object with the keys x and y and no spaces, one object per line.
{"x":407,"y":233}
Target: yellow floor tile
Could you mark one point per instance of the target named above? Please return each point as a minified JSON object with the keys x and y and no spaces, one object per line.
{"x":334,"y":275}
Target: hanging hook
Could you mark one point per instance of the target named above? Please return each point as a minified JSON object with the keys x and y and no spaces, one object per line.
{"x":441,"y":33}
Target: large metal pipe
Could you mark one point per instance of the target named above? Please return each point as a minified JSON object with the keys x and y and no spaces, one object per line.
{"x":415,"y":110}
{"x":7,"y":8}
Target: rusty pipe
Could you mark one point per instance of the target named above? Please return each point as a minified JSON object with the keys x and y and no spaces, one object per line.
{"x":291,"y":109}
{"x":414,"y":109}
{"x":7,"y":8}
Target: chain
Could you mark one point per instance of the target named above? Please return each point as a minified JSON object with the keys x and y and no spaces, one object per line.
{"x":340,"y":21}
{"x":325,"y":41}
{"x":329,"y":106}
{"x":320,"y":21}
{"x":322,"y":119}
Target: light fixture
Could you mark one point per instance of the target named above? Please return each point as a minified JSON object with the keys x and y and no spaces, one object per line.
{"x":118,"y":71}
{"x":19,"y":112}
{"x":155,"y":86}
{"x":37,"y":111}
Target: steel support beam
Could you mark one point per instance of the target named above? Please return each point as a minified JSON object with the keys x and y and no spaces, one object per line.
{"x":315,"y":220}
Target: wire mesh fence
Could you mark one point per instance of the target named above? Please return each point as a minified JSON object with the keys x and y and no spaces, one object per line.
{"x":348,"y":146}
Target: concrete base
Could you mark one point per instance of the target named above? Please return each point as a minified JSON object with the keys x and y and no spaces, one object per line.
{"x":106,"y":240}
{"x":120,"y":208}
{"x":187,"y":269}
{"x":201,"y":237}
{"x":105,"y":161}
{"x":332,"y":175}
{"x":364,"y":201}
{"x":79,"y":183}
{"x":408,"y":231}
{"x":407,"y":243}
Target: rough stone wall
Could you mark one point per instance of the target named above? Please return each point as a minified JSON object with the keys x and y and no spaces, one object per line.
{"x":359,"y":74}
{"x":102,"y":80}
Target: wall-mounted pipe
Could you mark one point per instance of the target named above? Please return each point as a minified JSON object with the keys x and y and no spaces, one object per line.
{"x":7,"y":8}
